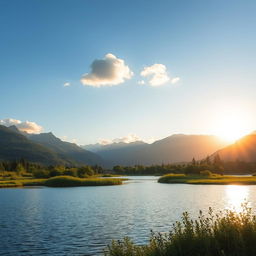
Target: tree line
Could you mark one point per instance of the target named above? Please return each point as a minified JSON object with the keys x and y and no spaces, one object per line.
{"x":216,"y":165}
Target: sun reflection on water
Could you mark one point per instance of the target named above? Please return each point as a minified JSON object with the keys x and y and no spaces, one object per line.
{"x":236,"y":196}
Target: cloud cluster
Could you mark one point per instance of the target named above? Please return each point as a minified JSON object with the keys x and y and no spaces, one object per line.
{"x":66,"y":84}
{"x":106,"y":72}
{"x":158,"y":75}
{"x":26,"y":126}
{"x":126,"y":139}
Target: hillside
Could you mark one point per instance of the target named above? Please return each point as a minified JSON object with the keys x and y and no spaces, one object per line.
{"x":66,"y":149}
{"x":14,"y":146}
{"x":242,"y":150}
{"x":173,"y":149}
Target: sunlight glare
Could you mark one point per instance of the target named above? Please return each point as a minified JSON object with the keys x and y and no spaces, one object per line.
{"x":236,"y":195}
{"x":230,"y":124}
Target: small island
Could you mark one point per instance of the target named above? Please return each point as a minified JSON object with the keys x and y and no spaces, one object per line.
{"x":207,"y":178}
{"x":62,"y":181}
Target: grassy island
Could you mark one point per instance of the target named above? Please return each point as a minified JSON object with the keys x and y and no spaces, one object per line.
{"x":66,"y":181}
{"x":61,"y":181}
{"x":207,"y":178}
{"x":223,"y":234}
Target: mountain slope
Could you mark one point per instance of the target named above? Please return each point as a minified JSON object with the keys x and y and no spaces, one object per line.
{"x":14,"y":146}
{"x":243,"y":150}
{"x":67,"y":149}
{"x":173,"y":149}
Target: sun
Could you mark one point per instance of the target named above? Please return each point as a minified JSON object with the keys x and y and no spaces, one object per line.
{"x":231,"y":129}
{"x":232,"y":126}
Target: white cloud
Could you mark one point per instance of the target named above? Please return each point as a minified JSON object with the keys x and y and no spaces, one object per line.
{"x":175,"y":80}
{"x":66,"y":84}
{"x":67,"y":139}
{"x":106,"y":72}
{"x":26,"y":126}
{"x":126,"y":139}
{"x":105,"y":141}
{"x":141,"y":82}
{"x":157,"y":75}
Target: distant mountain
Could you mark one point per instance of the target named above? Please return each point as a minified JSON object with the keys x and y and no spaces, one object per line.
{"x":113,"y":146}
{"x":66,"y":149}
{"x":173,"y":149}
{"x":14,"y":146}
{"x":243,"y":150}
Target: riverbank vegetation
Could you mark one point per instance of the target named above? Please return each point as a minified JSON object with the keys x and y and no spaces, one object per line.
{"x":213,"y":164}
{"x":66,"y":181}
{"x":206,"y":177}
{"x":225,"y":233}
{"x":61,"y":181}
{"x":22,"y":169}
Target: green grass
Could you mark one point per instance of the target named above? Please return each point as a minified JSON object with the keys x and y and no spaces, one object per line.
{"x":9,"y":184}
{"x":21,"y":183}
{"x":211,"y":179}
{"x":109,"y":175}
{"x":67,"y":181}
{"x":223,"y":234}
{"x":60,"y":181}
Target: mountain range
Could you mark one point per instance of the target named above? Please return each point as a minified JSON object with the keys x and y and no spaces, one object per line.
{"x":173,"y":149}
{"x":242,"y":150}
{"x":42,"y":148}
{"x":47,"y":149}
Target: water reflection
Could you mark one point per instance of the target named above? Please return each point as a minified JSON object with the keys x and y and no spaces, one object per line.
{"x":83,"y":220}
{"x":236,"y":195}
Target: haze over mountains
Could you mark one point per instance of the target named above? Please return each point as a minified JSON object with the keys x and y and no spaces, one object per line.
{"x":242,"y":150}
{"x":173,"y":149}
{"x":45,"y":148}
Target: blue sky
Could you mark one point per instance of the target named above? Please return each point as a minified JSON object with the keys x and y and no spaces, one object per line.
{"x":209,"y":45}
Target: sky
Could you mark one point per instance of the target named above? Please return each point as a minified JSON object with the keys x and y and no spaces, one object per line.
{"x":96,"y":70}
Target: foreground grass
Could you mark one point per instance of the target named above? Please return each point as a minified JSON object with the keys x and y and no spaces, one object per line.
{"x":211,"y":179}
{"x":61,"y":181}
{"x":223,"y":234}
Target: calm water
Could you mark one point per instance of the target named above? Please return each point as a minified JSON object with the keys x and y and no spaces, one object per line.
{"x":81,"y":221}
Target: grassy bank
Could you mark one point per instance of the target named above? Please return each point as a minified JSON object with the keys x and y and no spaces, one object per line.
{"x":223,"y":234}
{"x":207,"y":179}
{"x":66,"y":181}
{"x":61,"y":181}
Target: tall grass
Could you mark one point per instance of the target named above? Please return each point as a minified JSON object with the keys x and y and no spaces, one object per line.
{"x":61,"y":181}
{"x":68,"y":181}
{"x":207,"y":179}
{"x":223,"y":234}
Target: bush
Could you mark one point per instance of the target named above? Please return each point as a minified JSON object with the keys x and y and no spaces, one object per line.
{"x":85,"y":171}
{"x":224,"y":234}
{"x":206,"y":173}
{"x":41,"y":174}
{"x":55,"y":172}
{"x":70,"y":172}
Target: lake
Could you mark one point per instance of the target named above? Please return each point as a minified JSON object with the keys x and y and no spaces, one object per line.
{"x":82,"y":220}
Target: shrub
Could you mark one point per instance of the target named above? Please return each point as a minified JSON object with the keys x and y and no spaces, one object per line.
{"x":70,"y":172}
{"x":41,"y":174}
{"x":223,"y":234}
{"x":85,"y":171}
{"x":206,"y":173}
{"x":55,"y":172}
